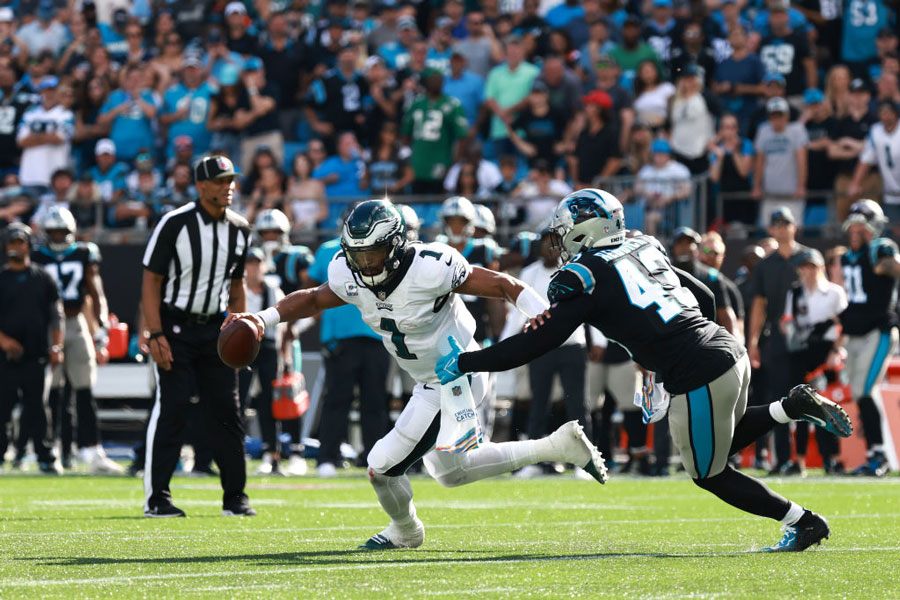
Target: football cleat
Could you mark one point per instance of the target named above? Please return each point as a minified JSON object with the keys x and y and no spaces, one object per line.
{"x":876,"y":465}
{"x":392,"y":538}
{"x":803,"y":403}
{"x":238,"y":508}
{"x":810,"y":530}
{"x":577,"y":449}
{"x":164,"y":511}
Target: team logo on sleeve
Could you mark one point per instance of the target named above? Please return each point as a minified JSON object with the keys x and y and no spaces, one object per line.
{"x":459,"y":276}
{"x":351,"y":289}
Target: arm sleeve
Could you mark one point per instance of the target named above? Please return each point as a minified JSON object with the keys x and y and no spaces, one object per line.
{"x":521,"y":349}
{"x":701,"y":293}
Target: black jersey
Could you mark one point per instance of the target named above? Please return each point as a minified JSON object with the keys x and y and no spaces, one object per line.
{"x":480,"y":253}
{"x":711,"y":278}
{"x":872,"y":298}
{"x":70,"y":269}
{"x":340,"y":100}
{"x":289,"y":264}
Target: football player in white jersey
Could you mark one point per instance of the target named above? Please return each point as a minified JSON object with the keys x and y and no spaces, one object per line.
{"x":409,"y":293}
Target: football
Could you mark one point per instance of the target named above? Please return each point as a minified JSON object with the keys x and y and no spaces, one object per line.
{"x":238,"y":345}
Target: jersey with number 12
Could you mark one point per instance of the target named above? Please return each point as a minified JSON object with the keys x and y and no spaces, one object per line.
{"x":883,"y":149}
{"x":416,"y":312}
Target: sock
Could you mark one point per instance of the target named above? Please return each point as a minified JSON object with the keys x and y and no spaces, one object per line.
{"x":793,"y":514}
{"x":395,"y":496}
{"x":876,"y":449}
{"x":746,"y":493}
{"x":776,"y":409}
{"x":757,"y":421}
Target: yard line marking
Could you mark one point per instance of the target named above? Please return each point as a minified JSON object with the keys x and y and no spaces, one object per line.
{"x":261,"y":570}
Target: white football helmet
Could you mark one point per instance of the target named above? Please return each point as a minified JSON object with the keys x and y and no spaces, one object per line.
{"x":459,"y":206}
{"x":588,"y":218}
{"x":868,"y":213}
{"x":59,"y":218}
{"x":272,"y":219}
{"x":411,"y":221}
{"x":484,"y":220}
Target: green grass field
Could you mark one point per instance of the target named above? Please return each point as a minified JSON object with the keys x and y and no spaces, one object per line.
{"x":84,"y":537}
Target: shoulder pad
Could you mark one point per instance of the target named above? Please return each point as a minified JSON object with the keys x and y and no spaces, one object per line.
{"x":93,"y":252}
{"x":882,"y":248}
{"x":573,"y":280}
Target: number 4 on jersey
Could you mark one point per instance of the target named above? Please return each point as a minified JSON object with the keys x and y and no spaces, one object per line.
{"x":644,"y":291}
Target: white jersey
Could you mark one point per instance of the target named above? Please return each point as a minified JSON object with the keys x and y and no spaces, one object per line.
{"x":39,"y":162}
{"x":883,"y":149}
{"x":416,"y":317}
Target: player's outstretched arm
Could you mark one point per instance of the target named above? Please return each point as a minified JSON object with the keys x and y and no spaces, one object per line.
{"x":543,"y":335}
{"x":486,"y":283}
{"x":300,"y":304}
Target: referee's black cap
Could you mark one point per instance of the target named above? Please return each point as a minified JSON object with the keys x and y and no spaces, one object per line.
{"x":214,"y":167}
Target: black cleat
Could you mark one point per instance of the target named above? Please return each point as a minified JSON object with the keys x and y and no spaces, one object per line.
{"x":803,"y":403}
{"x":49,"y":468}
{"x":810,"y":530}
{"x":238,"y":508}
{"x":164,"y":511}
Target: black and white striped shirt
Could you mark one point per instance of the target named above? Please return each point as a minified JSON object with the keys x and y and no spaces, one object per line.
{"x":197,"y":256}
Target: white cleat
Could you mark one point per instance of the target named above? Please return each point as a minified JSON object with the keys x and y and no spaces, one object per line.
{"x":529,"y":472}
{"x":393,"y":538}
{"x":265,"y":467}
{"x":577,"y":449}
{"x":99,"y":463}
{"x":326,"y":471}
{"x":297,"y":466}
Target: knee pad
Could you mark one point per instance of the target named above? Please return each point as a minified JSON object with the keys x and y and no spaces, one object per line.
{"x":377,"y":460}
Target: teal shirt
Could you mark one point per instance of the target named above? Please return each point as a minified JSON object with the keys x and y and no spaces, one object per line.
{"x":342,"y":322}
{"x":507,"y":88}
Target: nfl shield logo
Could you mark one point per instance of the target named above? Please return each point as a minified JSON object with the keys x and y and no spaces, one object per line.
{"x":457,"y":390}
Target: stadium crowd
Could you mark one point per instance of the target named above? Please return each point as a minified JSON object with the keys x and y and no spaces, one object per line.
{"x":763,"y":109}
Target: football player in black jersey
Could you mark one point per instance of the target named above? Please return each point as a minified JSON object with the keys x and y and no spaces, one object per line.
{"x":75,"y":267}
{"x":628,"y":289}
{"x":870,"y":268}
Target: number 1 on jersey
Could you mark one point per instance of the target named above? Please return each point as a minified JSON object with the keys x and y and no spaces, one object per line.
{"x":398,"y":338}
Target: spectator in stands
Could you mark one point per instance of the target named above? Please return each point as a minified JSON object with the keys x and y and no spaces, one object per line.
{"x":594,"y":51}
{"x":860,"y":31}
{"x":262,"y":159}
{"x":239,"y":37}
{"x":60,"y":187}
{"x":388,"y":167}
{"x":170,"y":55}
{"x":431,"y":139}
{"x":396,"y":53}
{"x":780,"y":169}
{"x":185,"y":108}
{"x":623,"y":112}
{"x":487,"y":174}
{"x":661,"y":30}
{"x":785,"y":50}
{"x":336,"y":99}
{"x":712,"y":254}
{"x":632,"y":51}
{"x":693,"y":50}
{"x":343,"y":175}
{"x":879,"y":150}
{"x":637,"y":152}
{"x":88,"y":129}
{"x":306,"y":196}
{"x":464,"y":85}
{"x":385,"y":97}
{"x":13,"y":104}
{"x":466,"y":181}
{"x":179,"y":190}
{"x":664,"y":183}
{"x":45,"y":136}
{"x":84,"y":202}
{"x":135,"y":52}
{"x":44,"y":33}
{"x":262,"y":128}
{"x":816,"y":116}
{"x":285,"y":60}
{"x":509,"y":171}
{"x":543,"y":192}
{"x":837,"y":90}
{"x":596,"y":150}
{"x":730,"y":168}
{"x":563,"y":13}
{"x":479,"y":47}
{"x":739,"y":78}
{"x":268,"y":193}
{"x":507,"y":85}
{"x":109,"y":174}
{"x":130,"y":112}
{"x":774,"y":86}
{"x":439,"y":46}
{"x":144,"y":163}
{"x":578,"y":29}
{"x":229,"y":114}
{"x":692,"y":116}
{"x":386,"y":30}
{"x":848,"y":138}
{"x":651,"y":103}
{"x":542,"y":127}
{"x":563,"y":87}
{"x":316,"y":151}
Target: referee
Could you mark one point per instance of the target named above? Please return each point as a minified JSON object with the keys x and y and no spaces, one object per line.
{"x":193,"y":272}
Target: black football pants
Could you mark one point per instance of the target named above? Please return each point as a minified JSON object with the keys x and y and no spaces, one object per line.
{"x":570,"y":363}
{"x":26,"y":382}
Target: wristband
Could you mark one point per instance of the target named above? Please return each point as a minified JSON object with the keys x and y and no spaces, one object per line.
{"x":530,"y":302}
{"x":270,"y":317}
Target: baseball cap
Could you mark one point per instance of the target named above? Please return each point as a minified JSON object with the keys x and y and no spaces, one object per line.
{"x":17,"y":231}
{"x":811,"y":256}
{"x":406,"y":22}
{"x":443,"y":22}
{"x":214,"y":167}
{"x":256,"y":253}
{"x":192,"y":60}
{"x":105,"y":146}
{"x":686,"y":232}
{"x":6,"y":15}
{"x":253,"y":63}
{"x":779,"y":5}
{"x":774,"y":78}
{"x":235,"y":8}
{"x":813,"y":96}
{"x":782,"y":216}
{"x":660,"y":146}
{"x":372,"y":61}
{"x":598,"y":98}
{"x":430,"y":72}
{"x":690,"y":70}
{"x":777,"y":105}
{"x":48,"y":83}
{"x":858,"y":85}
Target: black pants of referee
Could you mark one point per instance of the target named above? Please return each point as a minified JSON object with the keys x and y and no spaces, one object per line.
{"x":570,"y":363}
{"x":26,"y":381}
{"x":349,"y":363}
{"x":195,"y":357}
